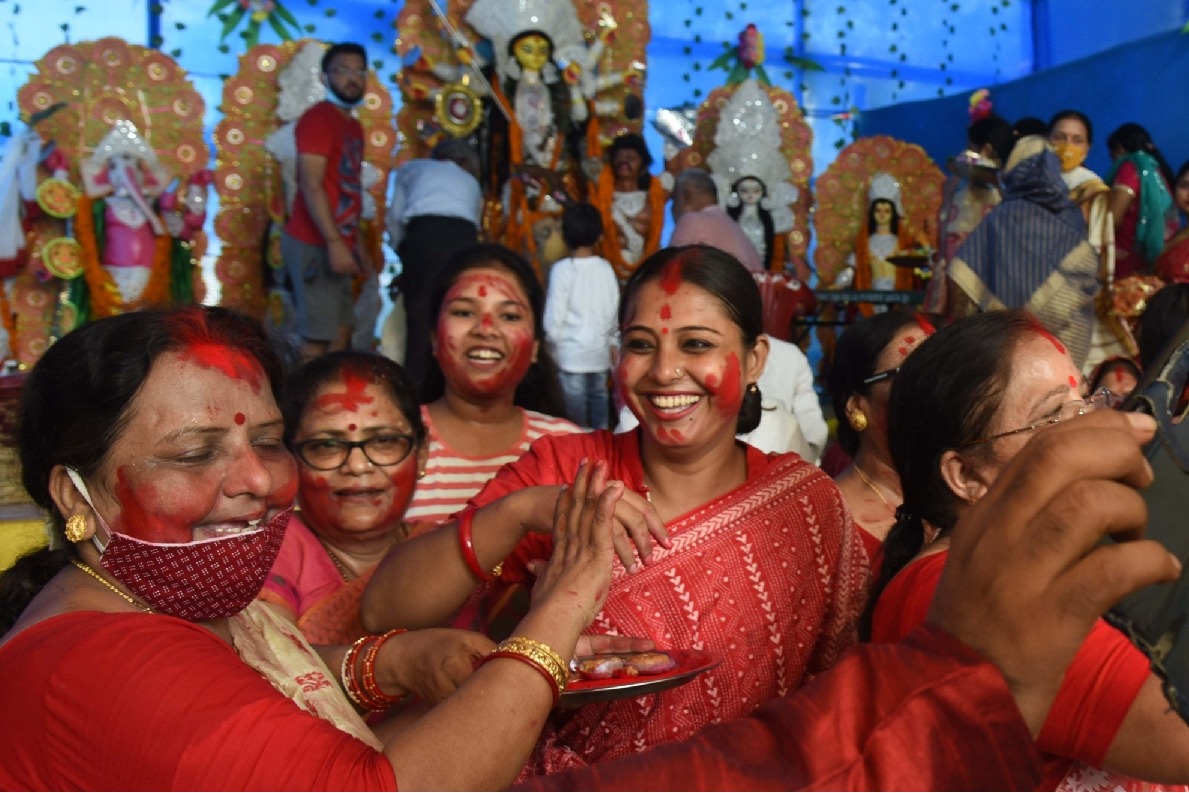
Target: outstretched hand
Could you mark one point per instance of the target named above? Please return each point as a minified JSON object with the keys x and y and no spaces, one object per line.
{"x":579,"y":570}
{"x":1026,"y":577}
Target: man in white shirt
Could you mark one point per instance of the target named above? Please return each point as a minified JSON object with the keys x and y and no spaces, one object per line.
{"x":435,"y":212}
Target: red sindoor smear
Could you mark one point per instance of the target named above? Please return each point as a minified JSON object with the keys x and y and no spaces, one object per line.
{"x":730,"y":393}
{"x":235,"y":364}
{"x":137,"y":521}
{"x":671,"y":277}
{"x":666,"y":312}
{"x":1044,"y":332}
{"x":666,"y":434}
{"x":351,"y":398}
{"x":1073,"y":382}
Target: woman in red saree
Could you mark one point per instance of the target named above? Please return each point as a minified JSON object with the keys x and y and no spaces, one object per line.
{"x":760,"y":562}
{"x":964,"y":405}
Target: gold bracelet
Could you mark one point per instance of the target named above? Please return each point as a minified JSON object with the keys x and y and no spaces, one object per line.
{"x":540,"y":652}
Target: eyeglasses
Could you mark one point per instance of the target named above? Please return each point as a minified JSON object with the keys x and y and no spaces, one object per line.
{"x":1102,"y":398}
{"x":886,"y":374}
{"x":327,"y":454}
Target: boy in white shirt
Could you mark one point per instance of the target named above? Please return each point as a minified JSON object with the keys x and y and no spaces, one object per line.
{"x":580,"y":316}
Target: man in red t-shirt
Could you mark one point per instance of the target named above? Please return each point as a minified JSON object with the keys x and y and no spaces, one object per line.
{"x":320,"y":245}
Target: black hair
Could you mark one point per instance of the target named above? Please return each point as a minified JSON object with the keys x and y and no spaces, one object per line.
{"x":764,"y":215}
{"x":947,"y":394}
{"x":630,"y":141}
{"x":540,"y":389}
{"x":342,"y":48}
{"x":1076,"y":115}
{"x":872,"y":226}
{"x":1166,"y":312}
{"x":1131,"y":137}
{"x":855,"y":357}
{"x":78,"y":399}
{"x":1109,"y":365}
{"x":524,"y":34}
{"x":1025,"y":127}
{"x":581,"y":225}
{"x":1184,"y":169}
{"x":722,"y":275}
{"x":991,"y":130}
{"x":307,"y":380}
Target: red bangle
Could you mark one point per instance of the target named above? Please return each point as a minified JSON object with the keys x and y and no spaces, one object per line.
{"x":541,"y":670}
{"x":371,"y":689}
{"x":466,"y":544}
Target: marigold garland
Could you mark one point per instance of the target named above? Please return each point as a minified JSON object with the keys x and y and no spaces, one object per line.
{"x":105,"y":296}
{"x":612,"y":247}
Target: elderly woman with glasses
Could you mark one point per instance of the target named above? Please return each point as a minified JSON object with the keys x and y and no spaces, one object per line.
{"x":352,"y":421}
{"x":869,"y":355}
{"x":962,"y":407}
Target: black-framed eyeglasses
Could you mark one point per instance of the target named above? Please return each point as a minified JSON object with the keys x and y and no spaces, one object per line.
{"x":886,"y":374}
{"x":1102,"y":398}
{"x":327,"y":454}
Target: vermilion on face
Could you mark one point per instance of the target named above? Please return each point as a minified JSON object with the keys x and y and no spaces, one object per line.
{"x":687,"y":330}
{"x":202,"y":455}
{"x":485,"y":338}
{"x":357,"y":497}
{"x":907,"y":339}
{"x":1043,"y":379}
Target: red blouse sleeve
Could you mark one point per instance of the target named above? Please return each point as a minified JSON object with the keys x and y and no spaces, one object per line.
{"x":136,"y":702}
{"x":926,"y":714}
{"x":1101,"y":683}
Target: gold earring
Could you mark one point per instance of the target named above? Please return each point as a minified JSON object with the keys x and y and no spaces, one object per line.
{"x":753,"y":388}
{"x":76,"y":528}
{"x":858,"y":421}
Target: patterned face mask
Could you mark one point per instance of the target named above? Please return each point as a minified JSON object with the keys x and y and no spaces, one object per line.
{"x":1071,"y":156}
{"x":195,"y":581}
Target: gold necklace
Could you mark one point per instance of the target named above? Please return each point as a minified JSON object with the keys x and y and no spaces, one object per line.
{"x":338,"y":563}
{"x":871,"y":485}
{"x":86,"y":568}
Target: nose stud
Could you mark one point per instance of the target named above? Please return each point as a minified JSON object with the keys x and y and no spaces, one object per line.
{"x":677,"y":371}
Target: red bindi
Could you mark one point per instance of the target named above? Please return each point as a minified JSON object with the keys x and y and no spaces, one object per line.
{"x":903,"y":351}
{"x":664,"y":331}
{"x":909,"y":339}
{"x":351,"y":427}
{"x":239,"y":418}
{"x":482,"y":290}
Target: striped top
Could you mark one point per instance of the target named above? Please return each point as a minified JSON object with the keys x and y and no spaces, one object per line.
{"x":451,"y":478}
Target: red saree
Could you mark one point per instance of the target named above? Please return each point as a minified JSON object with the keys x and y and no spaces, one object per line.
{"x":771,"y":577}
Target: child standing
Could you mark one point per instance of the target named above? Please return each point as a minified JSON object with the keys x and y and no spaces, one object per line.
{"x":580,"y":313}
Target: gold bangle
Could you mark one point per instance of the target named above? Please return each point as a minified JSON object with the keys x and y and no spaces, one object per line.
{"x":540,"y":652}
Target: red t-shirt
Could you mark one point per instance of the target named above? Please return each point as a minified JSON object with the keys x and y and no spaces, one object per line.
{"x":98,"y":701}
{"x":328,"y":132}
{"x":1098,"y":689}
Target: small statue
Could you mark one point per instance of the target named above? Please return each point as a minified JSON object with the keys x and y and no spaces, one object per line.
{"x":121,"y":179}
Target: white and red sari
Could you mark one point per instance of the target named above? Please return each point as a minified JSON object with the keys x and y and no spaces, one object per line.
{"x":770,"y":577}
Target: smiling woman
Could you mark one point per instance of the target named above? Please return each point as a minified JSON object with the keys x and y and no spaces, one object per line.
{"x":491,"y":388}
{"x":354,"y":426}
{"x":154,"y":441}
{"x":759,"y":561}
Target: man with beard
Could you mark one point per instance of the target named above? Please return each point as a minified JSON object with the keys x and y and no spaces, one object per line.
{"x":320,"y":243}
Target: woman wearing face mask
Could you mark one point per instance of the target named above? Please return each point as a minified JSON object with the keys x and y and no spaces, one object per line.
{"x":963,"y":405}
{"x":740,"y":531}
{"x":1071,"y":135}
{"x":133,"y":655}
{"x":1141,"y":200}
